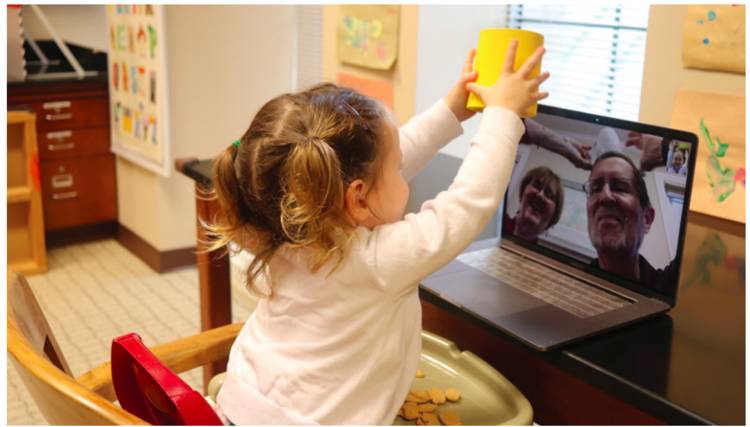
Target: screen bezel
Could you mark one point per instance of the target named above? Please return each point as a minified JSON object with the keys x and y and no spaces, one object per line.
{"x":663,"y":132}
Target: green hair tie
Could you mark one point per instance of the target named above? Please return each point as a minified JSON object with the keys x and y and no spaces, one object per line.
{"x":236,"y":143}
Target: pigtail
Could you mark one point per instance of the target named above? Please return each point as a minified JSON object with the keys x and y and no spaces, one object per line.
{"x":313,"y":203}
{"x":224,"y":227}
{"x":234,"y":222}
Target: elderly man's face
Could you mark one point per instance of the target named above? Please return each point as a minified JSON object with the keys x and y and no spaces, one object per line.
{"x":616,"y":220}
{"x":677,"y":160}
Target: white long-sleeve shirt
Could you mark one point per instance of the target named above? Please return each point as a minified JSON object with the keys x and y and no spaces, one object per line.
{"x":342,"y":348}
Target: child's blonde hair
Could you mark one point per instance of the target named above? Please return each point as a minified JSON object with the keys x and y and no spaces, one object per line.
{"x":285,"y":183}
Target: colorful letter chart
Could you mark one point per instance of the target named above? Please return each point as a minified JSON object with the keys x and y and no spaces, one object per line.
{"x":137,"y":86}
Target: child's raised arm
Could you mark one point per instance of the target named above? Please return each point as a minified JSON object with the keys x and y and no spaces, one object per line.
{"x":405,"y":252}
{"x":421,"y":138}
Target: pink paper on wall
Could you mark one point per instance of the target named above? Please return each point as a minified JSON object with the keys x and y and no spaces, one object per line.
{"x":381,"y":90}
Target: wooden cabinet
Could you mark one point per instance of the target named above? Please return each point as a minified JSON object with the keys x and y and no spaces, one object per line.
{"x":74,"y":196}
{"x":77,"y":169}
{"x":26,"y":251}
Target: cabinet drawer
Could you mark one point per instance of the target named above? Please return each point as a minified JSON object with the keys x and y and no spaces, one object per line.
{"x":68,"y":143}
{"x":71,"y":113}
{"x":79,"y":191}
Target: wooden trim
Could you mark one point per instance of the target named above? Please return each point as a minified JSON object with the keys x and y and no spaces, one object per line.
{"x":720,"y":224}
{"x":177,"y":258}
{"x":43,"y":89}
{"x":84,"y":233}
{"x":159,"y":261}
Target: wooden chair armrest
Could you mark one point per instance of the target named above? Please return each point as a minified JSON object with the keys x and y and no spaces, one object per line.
{"x":88,"y":407}
{"x":180,"y":356}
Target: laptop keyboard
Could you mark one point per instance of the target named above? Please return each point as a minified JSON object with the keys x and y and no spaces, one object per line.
{"x":564,"y":292}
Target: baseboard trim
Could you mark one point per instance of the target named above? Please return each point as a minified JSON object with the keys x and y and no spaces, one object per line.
{"x":81,"y":234}
{"x":159,"y":261}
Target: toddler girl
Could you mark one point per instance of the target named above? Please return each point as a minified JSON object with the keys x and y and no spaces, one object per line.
{"x":316,"y":190}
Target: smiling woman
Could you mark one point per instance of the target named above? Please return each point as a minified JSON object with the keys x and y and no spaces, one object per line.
{"x":541,"y":196}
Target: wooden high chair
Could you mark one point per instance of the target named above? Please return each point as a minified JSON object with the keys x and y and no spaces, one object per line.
{"x":88,"y":399}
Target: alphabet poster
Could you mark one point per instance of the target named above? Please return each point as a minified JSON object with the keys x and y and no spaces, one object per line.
{"x":714,"y":38}
{"x":367,"y":35}
{"x":719,"y":122}
{"x":137,"y":85}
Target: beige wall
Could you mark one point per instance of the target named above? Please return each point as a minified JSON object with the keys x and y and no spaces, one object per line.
{"x":223,"y":63}
{"x":403,"y":73}
{"x":663,"y":74}
{"x":218,"y":79}
{"x":82,"y":25}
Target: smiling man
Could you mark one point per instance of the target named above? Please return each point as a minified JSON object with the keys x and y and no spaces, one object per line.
{"x":619,"y":215}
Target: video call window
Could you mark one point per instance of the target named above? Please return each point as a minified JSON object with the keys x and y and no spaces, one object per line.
{"x":604,"y":216}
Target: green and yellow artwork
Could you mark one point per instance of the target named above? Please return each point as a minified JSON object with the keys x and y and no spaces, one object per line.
{"x":719,"y":121}
{"x":367,"y":35}
{"x":721,"y":179}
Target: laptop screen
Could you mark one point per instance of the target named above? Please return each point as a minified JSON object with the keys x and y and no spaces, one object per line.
{"x":607,"y":196}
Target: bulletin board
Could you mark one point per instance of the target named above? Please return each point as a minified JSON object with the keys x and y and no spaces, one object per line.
{"x":137,"y":85}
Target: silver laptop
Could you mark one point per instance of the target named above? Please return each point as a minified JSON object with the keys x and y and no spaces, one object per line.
{"x":582,"y":250}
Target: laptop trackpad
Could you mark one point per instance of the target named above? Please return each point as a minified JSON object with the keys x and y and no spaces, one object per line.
{"x":481,"y":293}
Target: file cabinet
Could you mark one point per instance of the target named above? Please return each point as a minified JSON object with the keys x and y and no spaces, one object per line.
{"x":77,"y":169}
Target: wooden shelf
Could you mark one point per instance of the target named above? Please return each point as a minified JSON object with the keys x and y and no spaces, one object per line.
{"x":25,"y":220}
{"x":26,"y":267}
{"x":19,"y":194}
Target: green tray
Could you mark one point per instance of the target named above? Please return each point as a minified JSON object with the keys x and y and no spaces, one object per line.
{"x":487,"y":397}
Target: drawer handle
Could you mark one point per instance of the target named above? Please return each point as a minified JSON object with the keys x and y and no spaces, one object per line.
{"x":56,"y":105}
{"x":62,"y":181}
{"x":66,"y":195}
{"x":60,"y":147}
{"x":55,"y":117}
{"x":59,"y":136}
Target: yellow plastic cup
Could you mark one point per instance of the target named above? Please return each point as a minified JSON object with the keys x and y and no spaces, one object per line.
{"x":491,"y":50}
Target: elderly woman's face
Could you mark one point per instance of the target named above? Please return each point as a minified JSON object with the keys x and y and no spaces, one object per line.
{"x":537,"y":209}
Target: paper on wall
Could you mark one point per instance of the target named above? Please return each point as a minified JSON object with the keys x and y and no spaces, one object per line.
{"x":367,"y":35}
{"x":719,"y":122}
{"x":713,"y":38}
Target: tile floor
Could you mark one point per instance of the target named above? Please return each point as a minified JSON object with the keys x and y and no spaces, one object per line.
{"x":96,"y":291}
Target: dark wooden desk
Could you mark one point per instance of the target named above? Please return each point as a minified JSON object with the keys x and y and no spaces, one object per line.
{"x":213,"y":267}
{"x":685,"y":367}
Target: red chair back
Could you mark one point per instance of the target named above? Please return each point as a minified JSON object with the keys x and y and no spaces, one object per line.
{"x":150,"y":390}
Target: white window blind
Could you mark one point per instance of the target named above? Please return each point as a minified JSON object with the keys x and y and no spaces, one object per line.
{"x":309,"y":69}
{"x":594,"y":54}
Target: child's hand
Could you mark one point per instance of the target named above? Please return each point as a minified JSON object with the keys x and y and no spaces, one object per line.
{"x":514,"y":90}
{"x":456,"y":98}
